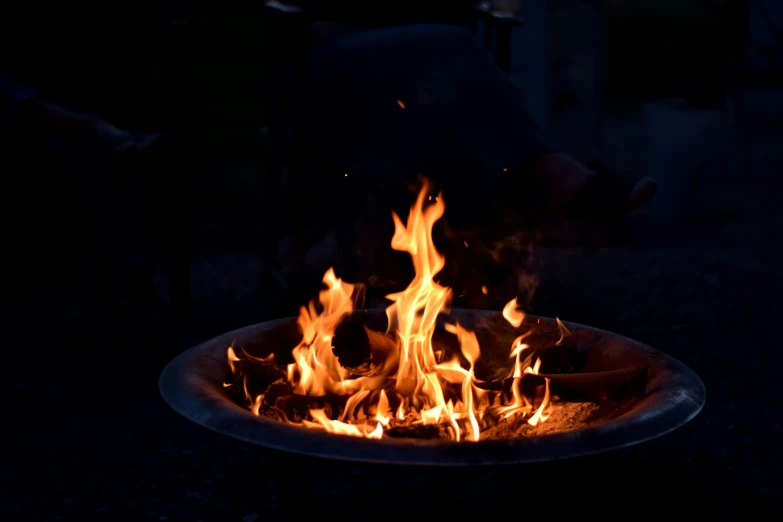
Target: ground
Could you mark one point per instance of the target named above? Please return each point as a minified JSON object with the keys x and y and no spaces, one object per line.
{"x":94,"y":440}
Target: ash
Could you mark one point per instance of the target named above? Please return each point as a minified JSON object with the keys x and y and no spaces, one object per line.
{"x":565,"y":417}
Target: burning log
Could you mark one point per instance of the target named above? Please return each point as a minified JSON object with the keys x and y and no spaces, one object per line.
{"x":361,"y":351}
{"x":611,"y":384}
{"x":276,"y":391}
{"x":420,"y":431}
{"x":624,"y":383}
{"x":553,"y":360}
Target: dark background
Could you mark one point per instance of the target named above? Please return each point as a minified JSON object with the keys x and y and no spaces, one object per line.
{"x":93,"y":439}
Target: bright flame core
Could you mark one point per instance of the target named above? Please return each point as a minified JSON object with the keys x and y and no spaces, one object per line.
{"x":424,"y":389}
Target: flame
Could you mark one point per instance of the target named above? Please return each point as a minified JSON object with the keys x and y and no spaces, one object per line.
{"x":413,"y":311}
{"x":544,"y":410}
{"x":513,"y":314}
{"x":382,"y":412}
{"x":342,"y":428}
{"x":232,"y":360}
{"x":316,"y":370}
{"x":420,"y":388}
{"x":564,"y":332}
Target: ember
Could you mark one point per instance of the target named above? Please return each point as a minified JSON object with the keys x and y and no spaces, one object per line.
{"x":346,"y":378}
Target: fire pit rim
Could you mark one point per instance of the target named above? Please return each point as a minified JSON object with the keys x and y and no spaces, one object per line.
{"x":188,"y":388}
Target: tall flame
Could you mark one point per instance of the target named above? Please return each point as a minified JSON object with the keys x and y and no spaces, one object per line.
{"x":414,"y":311}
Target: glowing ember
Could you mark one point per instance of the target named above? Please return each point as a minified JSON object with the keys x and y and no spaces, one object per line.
{"x":408,"y":384}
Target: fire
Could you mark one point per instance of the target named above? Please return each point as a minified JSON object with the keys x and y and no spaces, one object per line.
{"x":415,"y":386}
{"x":513,"y":314}
{"x":316,"y":370}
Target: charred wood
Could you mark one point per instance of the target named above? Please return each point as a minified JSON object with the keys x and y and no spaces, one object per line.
{"x":253,"y":376}
{"x":360,"y":350}
{"x":419,"y":431}
{"x":596,"y":386}
{"x":619,"y":384}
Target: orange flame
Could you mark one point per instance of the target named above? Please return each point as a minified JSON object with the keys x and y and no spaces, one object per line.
{"x":564,"y":332}
{"x":316,"y":370}
{"x":513,"y":314}
{"x":426,"y":390}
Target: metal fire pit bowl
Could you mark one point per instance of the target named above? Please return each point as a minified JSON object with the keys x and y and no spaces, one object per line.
{"x":192,"y":384}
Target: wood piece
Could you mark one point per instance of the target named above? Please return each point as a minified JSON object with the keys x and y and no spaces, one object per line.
{"x":609,"y":385}
{"x":595,"y":386}
{"x":497,"y":386}
{"x":254,"y":374}
{"x":276,"y":391}
{"x":360,"y":350}
{"x":351,"y":344}
{"x":419,"y":431}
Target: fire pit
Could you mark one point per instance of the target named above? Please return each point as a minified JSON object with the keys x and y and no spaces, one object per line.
{"x":424,"y":385}
{"x":193,"y":384}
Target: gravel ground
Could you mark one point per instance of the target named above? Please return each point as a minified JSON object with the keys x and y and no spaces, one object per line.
{"x":94,"y":441}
